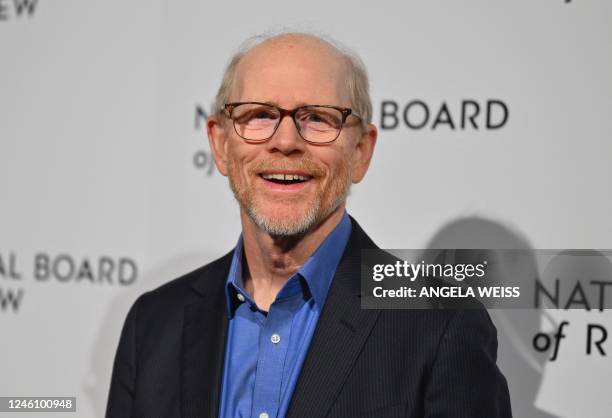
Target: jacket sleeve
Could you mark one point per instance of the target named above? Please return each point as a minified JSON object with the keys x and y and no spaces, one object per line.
{"x":121,"y":394}
{"x":465,"y":381}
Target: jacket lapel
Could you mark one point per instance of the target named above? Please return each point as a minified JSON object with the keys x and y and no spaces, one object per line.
{"x":342,"y":329}
{"x":204,"y":336}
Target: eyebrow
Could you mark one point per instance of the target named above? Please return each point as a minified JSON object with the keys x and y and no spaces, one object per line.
{"x":299,"y":104}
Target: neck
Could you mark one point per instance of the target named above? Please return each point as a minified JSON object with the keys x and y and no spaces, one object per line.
{"x":272,"y":260}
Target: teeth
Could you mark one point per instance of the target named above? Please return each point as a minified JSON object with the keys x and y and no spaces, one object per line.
{"x":285,"y":177}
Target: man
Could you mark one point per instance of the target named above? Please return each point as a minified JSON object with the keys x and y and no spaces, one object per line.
{"x":275,"y":328}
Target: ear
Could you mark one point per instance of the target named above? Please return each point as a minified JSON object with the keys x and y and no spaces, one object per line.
{"x":217,"y":139}
{"x":364,"y":149}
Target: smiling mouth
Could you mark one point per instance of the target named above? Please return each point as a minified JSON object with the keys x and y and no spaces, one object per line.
{"x":285,"y":179}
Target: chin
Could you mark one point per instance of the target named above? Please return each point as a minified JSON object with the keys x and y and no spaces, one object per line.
{"x":284,"y":220}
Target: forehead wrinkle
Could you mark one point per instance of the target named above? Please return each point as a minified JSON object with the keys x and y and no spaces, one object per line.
{"x":304,"y":50}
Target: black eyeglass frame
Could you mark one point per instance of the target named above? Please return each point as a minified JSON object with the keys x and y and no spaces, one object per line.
{"x":346,"y":112}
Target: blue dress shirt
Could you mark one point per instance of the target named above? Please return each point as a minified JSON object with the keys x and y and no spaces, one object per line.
{"x":265,"y":350}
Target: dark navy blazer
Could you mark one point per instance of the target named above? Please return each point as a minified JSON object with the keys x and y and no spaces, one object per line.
{"x":361,"y":363}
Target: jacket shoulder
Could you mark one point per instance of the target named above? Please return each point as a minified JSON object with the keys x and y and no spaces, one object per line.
{"x":207,"y":279}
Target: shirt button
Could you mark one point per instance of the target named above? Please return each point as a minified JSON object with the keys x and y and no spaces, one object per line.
{"x":275,"y":339}
{"x":240,"y":297}
{"x":264,"y":415}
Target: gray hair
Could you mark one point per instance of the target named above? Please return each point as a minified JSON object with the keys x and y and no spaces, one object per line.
{"x":357,"y":81}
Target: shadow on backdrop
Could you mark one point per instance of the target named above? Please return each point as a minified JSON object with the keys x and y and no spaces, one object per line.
{"x":97,"y":380}
{"x":521,"y":364}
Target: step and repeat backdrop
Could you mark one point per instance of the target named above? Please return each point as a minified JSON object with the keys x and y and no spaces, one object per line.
{"x":493,"y":133}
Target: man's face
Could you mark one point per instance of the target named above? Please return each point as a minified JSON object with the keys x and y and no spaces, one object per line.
{"x":289,"y":72}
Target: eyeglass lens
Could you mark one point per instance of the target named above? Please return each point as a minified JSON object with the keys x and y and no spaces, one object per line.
{"x":257,"y":122}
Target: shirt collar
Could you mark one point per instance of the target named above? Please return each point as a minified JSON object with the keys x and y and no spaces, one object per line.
{"x":318,"y":271}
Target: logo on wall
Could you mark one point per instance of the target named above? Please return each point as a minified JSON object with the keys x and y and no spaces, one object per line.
{"x":202,"y":159}
{"x":16,"y":9}
{"x":467,"y":114}
{"x":63,"y":269}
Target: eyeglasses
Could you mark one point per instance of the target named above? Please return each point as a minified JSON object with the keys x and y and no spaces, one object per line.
{"x":316,"y":124}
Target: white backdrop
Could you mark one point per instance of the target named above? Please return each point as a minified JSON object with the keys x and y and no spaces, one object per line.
{"x":106,"y":176}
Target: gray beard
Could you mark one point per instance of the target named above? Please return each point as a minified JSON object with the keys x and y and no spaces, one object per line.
{"x":284,"y":229}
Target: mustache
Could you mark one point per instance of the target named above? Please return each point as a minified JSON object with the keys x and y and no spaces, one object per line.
{"x":303,"y":165}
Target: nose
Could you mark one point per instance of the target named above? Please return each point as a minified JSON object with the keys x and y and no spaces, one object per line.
{"x":286,"y":139}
